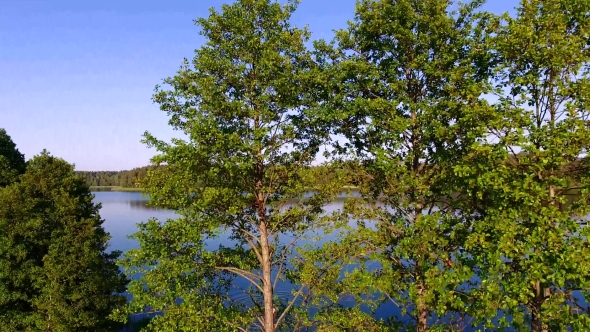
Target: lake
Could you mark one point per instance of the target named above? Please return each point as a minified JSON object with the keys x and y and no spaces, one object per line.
{"x":123,"y":210}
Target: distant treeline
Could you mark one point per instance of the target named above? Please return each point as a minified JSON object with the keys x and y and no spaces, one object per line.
{"x":126,"y":178}
{"x":131,"y":178}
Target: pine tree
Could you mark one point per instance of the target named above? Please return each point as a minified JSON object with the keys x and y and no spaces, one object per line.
{"x":55,"y":273}
{"x":12,"y":162}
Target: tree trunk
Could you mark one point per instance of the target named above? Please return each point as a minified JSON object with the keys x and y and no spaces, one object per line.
{"x":422,"y":313}
{"x":422,"y":320}
{"x":536,"y":325}
{"x":267,"y":291}
{"x":269,"y":320}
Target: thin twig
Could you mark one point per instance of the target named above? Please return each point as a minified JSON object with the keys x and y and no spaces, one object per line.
{"x":245,"y":274}
{"x":261,"y":322}
{"x":291,"y":303}
{"x":253,"y":246}
{"x":249,"y":294}
{"x":283,"y":259}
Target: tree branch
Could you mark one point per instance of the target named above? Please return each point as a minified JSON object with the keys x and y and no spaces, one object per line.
{"x":283,"y":258}
{"x":252,"y":245}
{"x":245,"y":274}
{"x":291,"y":303}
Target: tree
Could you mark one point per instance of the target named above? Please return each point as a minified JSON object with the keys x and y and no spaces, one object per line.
{"x":530,"y":245}
{"x":55,"y":273}
{"x":405,"y":89}
{"x":12,"y":162}
{"x":242,"y":171}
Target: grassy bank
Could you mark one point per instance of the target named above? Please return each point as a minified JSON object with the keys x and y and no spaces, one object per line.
{"x":114,"y":188}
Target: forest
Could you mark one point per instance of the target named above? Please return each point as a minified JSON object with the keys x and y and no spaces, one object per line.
{"x":456,"y":139}
{"x":125,"y":179}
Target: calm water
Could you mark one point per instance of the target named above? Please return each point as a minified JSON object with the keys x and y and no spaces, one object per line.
{"x":123,"y":210}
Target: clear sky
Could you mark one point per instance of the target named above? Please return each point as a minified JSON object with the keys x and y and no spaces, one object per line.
{"x":77,"y":76}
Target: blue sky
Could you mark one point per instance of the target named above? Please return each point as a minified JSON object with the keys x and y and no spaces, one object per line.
{"x":76,"y":77}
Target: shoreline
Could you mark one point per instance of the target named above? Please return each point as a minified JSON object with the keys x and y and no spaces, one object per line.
{"x":115,"y":188}
{"x":129,"y":189}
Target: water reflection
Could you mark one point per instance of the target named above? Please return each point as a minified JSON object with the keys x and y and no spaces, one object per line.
{"x":142,"y":205}
{"x":122,"y":211}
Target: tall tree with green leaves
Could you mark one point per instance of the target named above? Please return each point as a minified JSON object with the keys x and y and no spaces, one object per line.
{"x":242,"y":171}
{"x":404,"y":88}
{"x":12,"y":162}
{"x":55,"y":271}
{"x":530,"y":245}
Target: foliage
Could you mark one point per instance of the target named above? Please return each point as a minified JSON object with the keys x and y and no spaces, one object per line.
{"x":530,"y":245}
{"x":243,"y":172}
{"x":55,"y":273}
{"x":466,"y":134}
{"x":12,"y":162}
{"x":406,"y":85}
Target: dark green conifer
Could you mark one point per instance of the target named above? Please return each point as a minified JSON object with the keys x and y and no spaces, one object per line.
{"x":55,"y":273}
{"x":12,"y":162}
